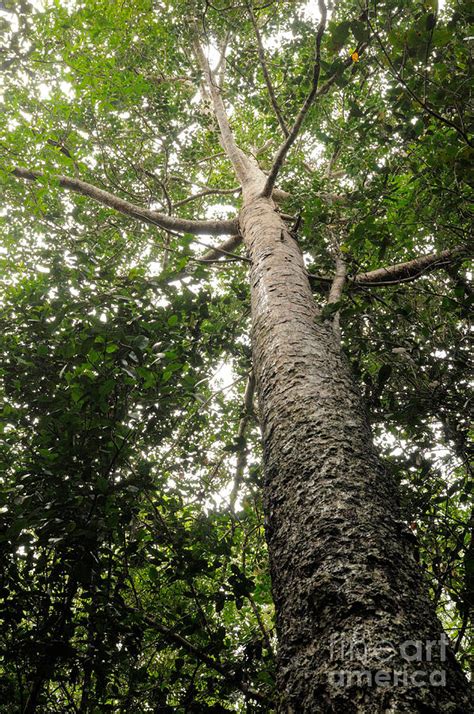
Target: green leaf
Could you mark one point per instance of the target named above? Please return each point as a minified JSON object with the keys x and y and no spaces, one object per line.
{"x":339,"y":34}
{"x":330,"y":309}
{"x":360,"y":31}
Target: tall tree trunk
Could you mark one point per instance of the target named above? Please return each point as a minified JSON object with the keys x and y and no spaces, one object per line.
{"x":354,"y":621}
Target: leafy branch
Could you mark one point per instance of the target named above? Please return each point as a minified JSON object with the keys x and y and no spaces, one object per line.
{"x":183,"y":225}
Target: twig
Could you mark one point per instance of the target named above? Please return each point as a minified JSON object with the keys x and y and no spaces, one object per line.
{"x":208,"y":192}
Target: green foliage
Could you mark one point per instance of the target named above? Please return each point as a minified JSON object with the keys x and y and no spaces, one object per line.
{"x":128,"y":582}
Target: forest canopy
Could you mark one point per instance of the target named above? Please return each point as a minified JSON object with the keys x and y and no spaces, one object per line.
{"x":135,"y":572}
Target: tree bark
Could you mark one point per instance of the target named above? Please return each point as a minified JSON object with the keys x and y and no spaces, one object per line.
{"x":349,"y":594}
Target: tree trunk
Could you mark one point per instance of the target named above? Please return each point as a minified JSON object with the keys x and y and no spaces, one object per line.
{"x":356,"y":630}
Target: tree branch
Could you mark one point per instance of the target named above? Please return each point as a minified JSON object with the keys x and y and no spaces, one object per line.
{"x":235,"y":154}
{"x":225,"y":671}
{"x":182,"y":225}
{"x":335,"y":292}
{"x":316,"y":91}
{"x":266,"y":75}
{"x":406,"y":272}
{"x":213,"y":255}
{"x":208,"y":192}
{"x":415,"y":97}
{"x":338,"y":282}
{"x":220,"y":68}
{"x":294,"y":131}
{"x":224,"y":248}
{"x":241,"y":456}
{"x":399,"y":272}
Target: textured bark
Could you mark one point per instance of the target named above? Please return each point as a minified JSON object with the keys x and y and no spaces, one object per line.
{"x":343,"y":564}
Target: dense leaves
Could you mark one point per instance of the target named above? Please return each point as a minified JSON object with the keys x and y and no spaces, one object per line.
{"x":129,"y":582}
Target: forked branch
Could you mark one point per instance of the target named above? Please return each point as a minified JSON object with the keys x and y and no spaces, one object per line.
{"x":236,"y":155}
{"x":316,"y":91}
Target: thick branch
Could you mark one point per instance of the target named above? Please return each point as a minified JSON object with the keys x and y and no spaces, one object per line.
{"x":338,"y":282}
{"x":406,"y":272}
{"x":336,"y":291}
{"x":181,"y":225}
{"x":235,"y":154}
{"x":398,"y":273}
